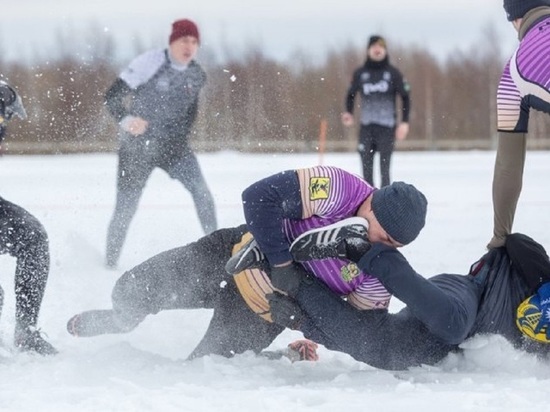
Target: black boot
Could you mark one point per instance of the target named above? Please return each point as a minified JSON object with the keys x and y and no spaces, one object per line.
{"x":29,"y":339}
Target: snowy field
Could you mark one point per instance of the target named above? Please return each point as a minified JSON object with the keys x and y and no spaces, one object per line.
{"x":146,"y":370}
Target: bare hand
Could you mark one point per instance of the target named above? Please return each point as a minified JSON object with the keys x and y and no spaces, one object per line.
{"x":347,"y":119}
{"x":402,"y":131}
{"x":136,"y":126}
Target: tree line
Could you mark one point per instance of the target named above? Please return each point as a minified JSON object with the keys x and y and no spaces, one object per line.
{"x":254,"y":103}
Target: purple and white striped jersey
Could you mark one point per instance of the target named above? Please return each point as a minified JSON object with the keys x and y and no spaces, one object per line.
{"x":329,"y":195}
{"x":525,"y":82}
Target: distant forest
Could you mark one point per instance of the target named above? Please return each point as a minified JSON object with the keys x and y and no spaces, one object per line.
{"x":254,"y":103}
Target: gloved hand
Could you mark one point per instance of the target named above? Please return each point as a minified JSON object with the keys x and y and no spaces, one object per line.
{"x":543,"y":293}
{"x":288,"y":278}
{"x":285,"y":311}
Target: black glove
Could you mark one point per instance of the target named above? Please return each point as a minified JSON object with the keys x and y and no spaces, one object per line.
{"x":285,"y":311}
{"x":288,"y":278}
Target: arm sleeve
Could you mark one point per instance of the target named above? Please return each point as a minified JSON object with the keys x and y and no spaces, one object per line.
{"x":114,"y":99}
{"x":448,"y":312}
{"x":406,"y":107}
{"x":404,"y":92}
{"x":352,"y":91}
{"x":2,"y":130}
{"x":266,"y":203}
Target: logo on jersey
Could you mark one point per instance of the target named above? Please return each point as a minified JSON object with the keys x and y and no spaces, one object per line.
{"x":319,"y":188}
{"x":381,"y":87}
{"x":531,"y":321}
{"x":349,"y":272}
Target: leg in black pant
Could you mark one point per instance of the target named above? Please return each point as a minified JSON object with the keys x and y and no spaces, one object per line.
{"x":379,"y":338}
{"x":23,"y":237}
{"x":367,"y":149}
{"x":133,"y":171}
{"x":188,"y":277}
{"x":385,"y":142}
{"x":187,"y":171}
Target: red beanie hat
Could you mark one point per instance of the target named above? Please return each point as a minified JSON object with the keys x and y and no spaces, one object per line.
{"x":184,"y":27}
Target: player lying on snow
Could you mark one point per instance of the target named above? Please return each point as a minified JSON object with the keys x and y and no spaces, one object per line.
{"x":194,"y":276}
{"x":506,"y":292}
{"x":23,"y":237}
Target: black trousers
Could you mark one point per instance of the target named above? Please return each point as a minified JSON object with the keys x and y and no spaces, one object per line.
{"x":191,"y":277}
{"x":23,"y":237}
{"x":137,"y":158}
{"x":375,"y":138}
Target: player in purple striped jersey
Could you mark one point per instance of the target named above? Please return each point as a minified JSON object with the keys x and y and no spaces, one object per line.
{"x":279,"y":208}
{"x":525,"y":84}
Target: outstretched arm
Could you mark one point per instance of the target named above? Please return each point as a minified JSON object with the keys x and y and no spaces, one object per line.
{"x":446,"y":305}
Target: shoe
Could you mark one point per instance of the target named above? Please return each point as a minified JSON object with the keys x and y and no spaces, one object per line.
{"x":93,"y":323}
{"x":346,"y":239}
{"x":247,"y":257}
{"x":30,"y":340}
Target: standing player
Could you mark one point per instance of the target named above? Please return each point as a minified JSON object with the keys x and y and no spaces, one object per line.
{"x":525,"y":84}
{"x":164,"y":87}
{"x":379,"y":83}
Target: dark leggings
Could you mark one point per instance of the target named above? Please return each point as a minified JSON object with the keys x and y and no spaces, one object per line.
{"x":23,"y":237}
{"x":190,"y":277}
{"x":375,"y":138}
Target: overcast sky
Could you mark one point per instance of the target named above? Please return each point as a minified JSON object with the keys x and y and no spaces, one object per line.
{"x":279,"y":27}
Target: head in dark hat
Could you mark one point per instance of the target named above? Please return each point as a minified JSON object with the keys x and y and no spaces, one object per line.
{"x":182,"y":28}
{"x":376,"y":39}
{"x":400,"y":209}
{"x":377,"y":51}
{"x":516,"y":9}
{"x":184,"y":42}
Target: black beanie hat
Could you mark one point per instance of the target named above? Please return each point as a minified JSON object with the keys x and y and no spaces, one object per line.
{"x":400,"y":208}
{"x":376,"y":39}
{"x":516,"y":9}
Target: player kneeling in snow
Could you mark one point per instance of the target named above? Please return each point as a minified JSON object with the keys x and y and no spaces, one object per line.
{"x":192,"y":277}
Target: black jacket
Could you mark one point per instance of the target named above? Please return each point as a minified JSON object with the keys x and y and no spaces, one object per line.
{"x":378,"y":84}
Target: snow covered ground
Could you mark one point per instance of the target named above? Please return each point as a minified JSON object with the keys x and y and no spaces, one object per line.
{"x":146,"y":370}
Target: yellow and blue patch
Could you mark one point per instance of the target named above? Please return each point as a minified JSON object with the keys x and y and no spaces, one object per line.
{"x":528,"y":318}
{"x":319,"y":188}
